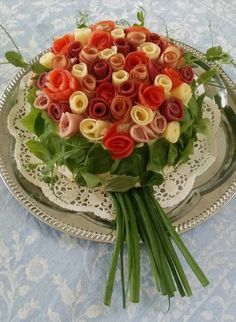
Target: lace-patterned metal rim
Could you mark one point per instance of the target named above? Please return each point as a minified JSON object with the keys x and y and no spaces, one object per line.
{"x":39,"y":213}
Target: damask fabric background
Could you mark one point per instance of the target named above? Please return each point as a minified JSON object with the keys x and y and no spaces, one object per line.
{"x":46,"y":275}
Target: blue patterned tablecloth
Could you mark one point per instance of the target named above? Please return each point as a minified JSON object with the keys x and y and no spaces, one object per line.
{"x":48,"y":276}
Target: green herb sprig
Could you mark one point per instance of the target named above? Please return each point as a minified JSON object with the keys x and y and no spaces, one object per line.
{"x":82,"y":19}
{"x":16,"y":59}
{"x":141,"y":14}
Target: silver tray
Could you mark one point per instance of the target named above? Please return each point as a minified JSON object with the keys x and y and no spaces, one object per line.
{"x":210,"y":193}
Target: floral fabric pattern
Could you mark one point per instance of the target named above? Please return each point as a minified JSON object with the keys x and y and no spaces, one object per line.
{"x":46,"y":275}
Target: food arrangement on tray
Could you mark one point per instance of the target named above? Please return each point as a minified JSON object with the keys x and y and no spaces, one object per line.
{"x":117,"y":105}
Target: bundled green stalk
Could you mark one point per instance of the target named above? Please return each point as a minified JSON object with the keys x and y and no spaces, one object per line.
{"x":139,"y":214}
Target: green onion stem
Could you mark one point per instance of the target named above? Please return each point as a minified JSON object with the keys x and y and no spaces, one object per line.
{"x":112,"y":272}
{"x":133,"y":255}
{"x":122,"y":240}
{"x":150,"y":255}
{"x":185,"y":252}
{"x":167,"y":285}
{"x":135,"y":278}
{"x":163,"y":251}
{"x":173,"y":260}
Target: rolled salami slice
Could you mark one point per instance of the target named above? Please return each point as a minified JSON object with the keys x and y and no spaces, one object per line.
{"x":55,"y":110}
{"x":98,"y":109}
{"x":172,"y":109}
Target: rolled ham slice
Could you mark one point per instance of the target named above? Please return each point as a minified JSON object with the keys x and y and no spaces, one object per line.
{"x":117,"y":61}
{"x":42,"y":101}
{"x":69,"y":124}
{"x":136,"y":38}
{"x":88,"y":85}
{"x":141,"y":133}
{"x":41,"y":82}
{"x":88,"y":54}
{"x":61,"y":61}
{"x":158,"y":124}
{"x":120,"y":106}
{"x":139,"y":73}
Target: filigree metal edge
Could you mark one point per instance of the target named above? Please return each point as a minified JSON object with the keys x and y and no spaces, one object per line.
{"x":23,"y":198}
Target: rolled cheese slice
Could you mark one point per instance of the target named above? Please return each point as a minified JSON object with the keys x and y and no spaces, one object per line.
{"x":80,"y":70}
{"x":183,"y":92}
{"x":150,"y":49}
{"x":172,"y":132}
{"x":118,"y":33}
{"x":82,"y":35}
{"x":94,"y":129}
{"x":119,"y":77}
{"x":107,"y":52}
{"x":164,"y":81}
{"x":46,"y":59}
{"x":141,"y":115}
{"x":78,"y":102}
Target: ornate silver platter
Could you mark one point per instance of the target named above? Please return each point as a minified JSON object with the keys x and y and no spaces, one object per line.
{"x":210,"y":193}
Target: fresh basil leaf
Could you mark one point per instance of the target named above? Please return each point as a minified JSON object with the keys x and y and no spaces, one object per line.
{"x":31,"y":96}
{"x":190,"y":59}
{"x":158,"y":155}
{"x":55,"y":144}
{"x":194,"y":109}
{"x":187,"y":151}
{"x":200,"y":100}
{"x":120,"y":183}
{"x":204,"y":126}
{"x":79,"y":141}
{"x":134,"y":165}
{"x":15,"y":58}
{"x":151,"y":179}
{"x":39,"y":150}
{"x":115,"y":166}
{"x":79,"y":179}
{"x":39,"y":125}
{"x":214,"y":53}
{"x":98,"y":160}
{"x":30,"y":119}
{"x":186,"y":126}
{"x":92,"y":181}
{"x":207,"y":76}
{"x":37,"y":68}
{"x":77,"y":147}
{"x":173,"y":154}
{"x":50,"y":126}
{"x":129,"y":166}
